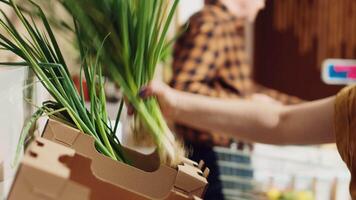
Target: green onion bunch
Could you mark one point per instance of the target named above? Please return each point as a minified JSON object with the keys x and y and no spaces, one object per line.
{"x":38,"y":49}
{"x":134,"y":34}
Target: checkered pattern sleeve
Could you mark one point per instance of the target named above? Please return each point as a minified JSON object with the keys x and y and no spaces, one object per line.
{"x":194,"y":62}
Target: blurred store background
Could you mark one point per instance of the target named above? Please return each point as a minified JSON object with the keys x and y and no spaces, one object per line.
{"x":287,"y":45}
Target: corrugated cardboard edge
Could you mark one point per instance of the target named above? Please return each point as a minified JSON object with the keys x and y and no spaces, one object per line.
{"x":188,"y":178}
{"x":42,"y":176}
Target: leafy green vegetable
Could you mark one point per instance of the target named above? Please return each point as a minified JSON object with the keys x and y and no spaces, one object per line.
{"x":38,"y":49}
{"x":135,"y":39}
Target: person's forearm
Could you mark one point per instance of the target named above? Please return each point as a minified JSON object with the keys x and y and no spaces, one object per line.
{"x":258,"y":122}
{"x":285,"y":99}
{"x":238,"y":118}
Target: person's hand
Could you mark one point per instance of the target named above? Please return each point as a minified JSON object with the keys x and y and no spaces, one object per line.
{"x":166,"y":96}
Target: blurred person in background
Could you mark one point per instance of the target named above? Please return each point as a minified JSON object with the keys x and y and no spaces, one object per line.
{"x":210,"y":59}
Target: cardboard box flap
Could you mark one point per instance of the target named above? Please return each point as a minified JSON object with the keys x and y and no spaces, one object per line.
{"x":190,"y":162}
{"x":69,"y":136}
{"x":147,"y":162}
{"x":52,"y":128}
{"x":107,"y":170}
{"x":48,"y":160}
{"x":191,"y":180}
{"x":41,"y":175}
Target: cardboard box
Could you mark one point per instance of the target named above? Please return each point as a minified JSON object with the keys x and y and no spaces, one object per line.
{"x":44,"y":175}
{"x":74,"y":167}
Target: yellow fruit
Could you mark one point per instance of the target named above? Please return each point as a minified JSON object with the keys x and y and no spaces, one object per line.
{"x":274,"y":194}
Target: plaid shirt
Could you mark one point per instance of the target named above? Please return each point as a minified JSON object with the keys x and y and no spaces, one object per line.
{"x":210,"y":59}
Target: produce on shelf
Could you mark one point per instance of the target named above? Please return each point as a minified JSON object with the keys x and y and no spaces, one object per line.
{"x":275,"y":194}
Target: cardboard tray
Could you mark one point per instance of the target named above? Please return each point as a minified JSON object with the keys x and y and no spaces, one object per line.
{"x":65,"y":165}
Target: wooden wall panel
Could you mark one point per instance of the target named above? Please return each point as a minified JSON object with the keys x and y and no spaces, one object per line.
{"x":278,"y":60}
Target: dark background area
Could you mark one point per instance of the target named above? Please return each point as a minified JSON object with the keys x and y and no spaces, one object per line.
{"x":278,"y":63}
